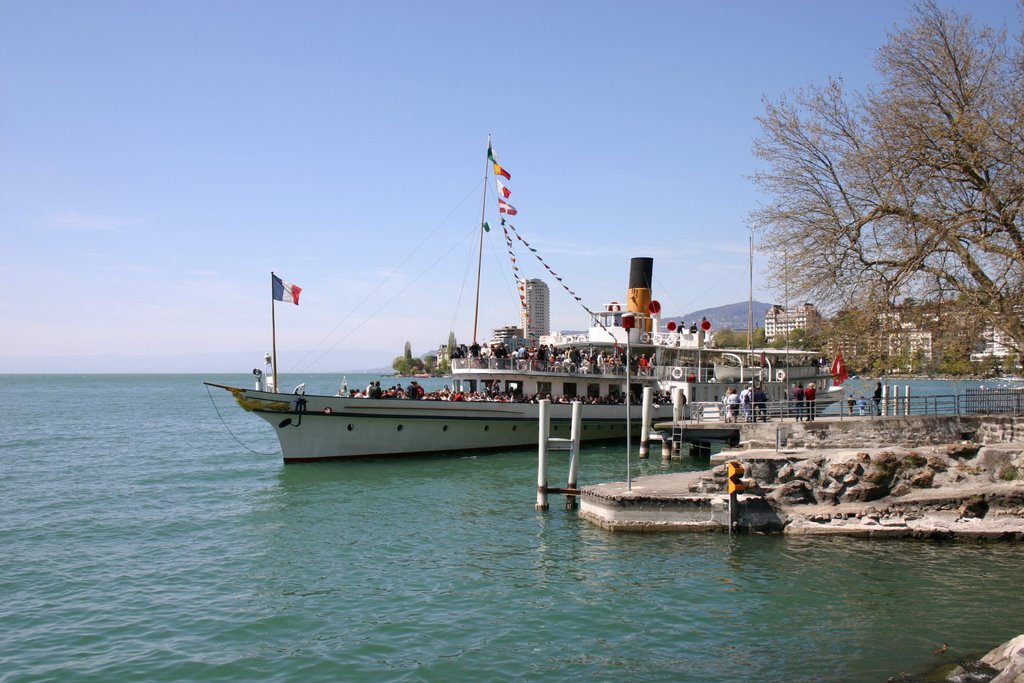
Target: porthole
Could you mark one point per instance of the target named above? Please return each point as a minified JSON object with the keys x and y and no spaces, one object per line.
{"x":399,"y":427}
{"x":515,"y":427}
{"x":445,"y":428}
{"x":487,"y":428}
{"x":350,"y":428}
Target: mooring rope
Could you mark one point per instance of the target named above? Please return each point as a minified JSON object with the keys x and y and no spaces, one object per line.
{"x":210,"y":393}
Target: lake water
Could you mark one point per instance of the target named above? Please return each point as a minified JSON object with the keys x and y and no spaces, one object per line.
{"x":145,"y":538}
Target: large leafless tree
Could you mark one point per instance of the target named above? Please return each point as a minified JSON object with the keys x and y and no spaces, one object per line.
{"x":913,"y":188}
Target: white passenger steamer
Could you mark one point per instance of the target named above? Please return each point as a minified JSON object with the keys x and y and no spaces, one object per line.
{"x":592,"y":369}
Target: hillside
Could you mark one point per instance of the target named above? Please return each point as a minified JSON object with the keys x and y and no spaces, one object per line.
{"x":728,"y":317}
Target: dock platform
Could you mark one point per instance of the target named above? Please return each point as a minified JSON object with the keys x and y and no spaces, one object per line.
{"x":697,"y":501}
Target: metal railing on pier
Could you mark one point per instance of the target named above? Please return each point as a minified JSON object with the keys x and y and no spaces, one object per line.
{"x":972,"y":402}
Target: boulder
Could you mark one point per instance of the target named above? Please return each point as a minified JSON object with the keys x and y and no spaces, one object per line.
{"x":808,"y":470}
{"x":962,"y":451}
{"x":923,"y":479}
{"x":901,"y":489}
{"x":839,"y":470}
{"x":796,"y":492}
{"x":1008,"y":659}
{"x":866,"y":491}
{"x":974,"y":507}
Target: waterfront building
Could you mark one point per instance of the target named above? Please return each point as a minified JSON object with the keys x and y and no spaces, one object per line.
{"x":509,"y":335}
{"x":779,"y":321}
{"x":994,"y":344}
{"x":536,"y":312}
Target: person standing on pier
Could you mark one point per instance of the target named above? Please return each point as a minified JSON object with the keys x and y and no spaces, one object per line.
{"x":798,"y":401}
{"x":759,"y":399}
{"x":876,"y":400}
{"x":809,"y":394}
{"x":746,"y":399}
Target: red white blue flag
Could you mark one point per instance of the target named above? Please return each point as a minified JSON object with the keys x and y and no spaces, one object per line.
{"x":286,"y":291}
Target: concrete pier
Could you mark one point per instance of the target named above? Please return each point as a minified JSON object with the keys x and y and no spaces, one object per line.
{"x":926,"y":476}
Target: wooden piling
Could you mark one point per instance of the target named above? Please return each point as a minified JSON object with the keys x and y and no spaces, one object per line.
{"x":645,"y":422}
{"x":543,"y":428}
{"x":572,"y":502}
{"x":677,"y":416}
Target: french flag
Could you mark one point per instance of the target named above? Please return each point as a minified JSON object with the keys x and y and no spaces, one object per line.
{"x":286,"y":291}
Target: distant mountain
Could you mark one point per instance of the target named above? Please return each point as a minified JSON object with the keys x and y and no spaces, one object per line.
{"x":728,"y":317}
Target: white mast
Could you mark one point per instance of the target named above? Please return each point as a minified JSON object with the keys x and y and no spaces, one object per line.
{"x":273,"y":329}
{"x":480,"y":256}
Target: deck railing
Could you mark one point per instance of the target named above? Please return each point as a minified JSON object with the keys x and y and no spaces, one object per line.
{"x":533,"y":366}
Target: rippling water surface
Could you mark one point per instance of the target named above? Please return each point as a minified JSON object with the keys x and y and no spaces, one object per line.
{"x":141,"y":541}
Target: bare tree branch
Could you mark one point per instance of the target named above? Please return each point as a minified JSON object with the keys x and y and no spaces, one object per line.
{"x":914,"y":188}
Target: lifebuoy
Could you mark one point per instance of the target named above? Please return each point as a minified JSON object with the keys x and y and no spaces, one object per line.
{"x":327,"y":410}
{"x":677,"y":373}
{"x":780,"y":375}
{"x":614,"y":307}
{"x":645,"y":338}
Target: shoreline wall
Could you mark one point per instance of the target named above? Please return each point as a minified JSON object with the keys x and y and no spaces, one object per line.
{"x":909,"y":431}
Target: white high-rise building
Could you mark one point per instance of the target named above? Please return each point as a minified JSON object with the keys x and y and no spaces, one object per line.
{"x":536,"y":316}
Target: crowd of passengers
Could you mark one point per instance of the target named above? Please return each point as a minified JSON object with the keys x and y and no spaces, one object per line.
{"x":548,"y":357}
{"x":415,"y":391}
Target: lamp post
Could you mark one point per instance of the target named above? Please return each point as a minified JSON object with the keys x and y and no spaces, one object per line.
{"x":627,"y":324}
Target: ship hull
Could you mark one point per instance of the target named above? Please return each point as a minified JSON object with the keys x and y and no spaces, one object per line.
{"x":315,"y":428}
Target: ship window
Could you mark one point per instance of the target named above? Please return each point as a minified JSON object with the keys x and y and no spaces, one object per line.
{"x":544,"y":389}
{"x":350,"y":428}
{"x":514,"y":389}
{"x":445,"y":428}
{"x":569,"y":389}
{"x":515,"y":427}
{"x":593,"y":390}
{"x":399,"y":427}
{"x":487,"y":428}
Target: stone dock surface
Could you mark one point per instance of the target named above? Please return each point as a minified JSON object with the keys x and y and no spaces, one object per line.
{"x":924,"y":477}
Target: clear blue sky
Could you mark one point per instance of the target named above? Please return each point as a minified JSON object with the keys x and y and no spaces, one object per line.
{"x":159,"y":159}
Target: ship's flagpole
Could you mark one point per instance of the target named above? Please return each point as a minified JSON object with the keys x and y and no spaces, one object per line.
{"x":480,"y":256}
{"x":273,"y":329}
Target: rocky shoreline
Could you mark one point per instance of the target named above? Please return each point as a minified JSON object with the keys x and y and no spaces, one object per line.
{"x":1003,"y":664}
{"x":962,"y":490}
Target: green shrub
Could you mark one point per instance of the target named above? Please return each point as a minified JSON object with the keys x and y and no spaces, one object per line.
{"x":1009,"y":473}
{"x":914,"y":460}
